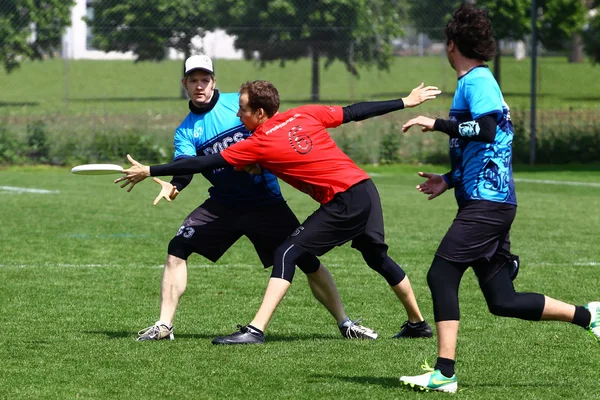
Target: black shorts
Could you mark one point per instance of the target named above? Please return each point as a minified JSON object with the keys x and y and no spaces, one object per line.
{"x":480,"y":236}
{"x":211,"y":229}
{"x":351,"y":215}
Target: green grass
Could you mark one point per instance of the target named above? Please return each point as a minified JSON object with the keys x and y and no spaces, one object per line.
{"x":151,"y":90}
{"x":80,"y":273}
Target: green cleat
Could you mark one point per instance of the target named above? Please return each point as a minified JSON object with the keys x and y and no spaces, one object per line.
{"x":594,"y":328}
{"x":431,"y":380}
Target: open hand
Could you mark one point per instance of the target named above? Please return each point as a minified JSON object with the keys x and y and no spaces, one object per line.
{"x":137,"y":173}
{"x":420,"y":94}
{"x":167,"y":191}
{"x":425,"y":123}
{"x":434,"y":186}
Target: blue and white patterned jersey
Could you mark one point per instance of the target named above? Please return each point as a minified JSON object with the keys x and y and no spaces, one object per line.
{"x":210,"y":133}
{"x":482,"y":171}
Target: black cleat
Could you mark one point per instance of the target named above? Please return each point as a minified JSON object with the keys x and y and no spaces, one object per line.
{"x":414,"y":330}
{"x":514,"y":263}
{"x":245,"y":335}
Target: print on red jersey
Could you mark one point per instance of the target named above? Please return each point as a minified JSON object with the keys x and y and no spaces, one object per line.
{"x":300,"y":142}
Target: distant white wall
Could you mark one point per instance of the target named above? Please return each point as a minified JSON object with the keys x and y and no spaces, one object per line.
{"x":215,"y":44}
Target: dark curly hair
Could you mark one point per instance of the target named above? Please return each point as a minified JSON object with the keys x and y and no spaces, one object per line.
{"x":470,"y":30}
{"x":261,"y":94}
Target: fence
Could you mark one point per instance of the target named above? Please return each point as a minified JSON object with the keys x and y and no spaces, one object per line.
{"x":85,"y":96}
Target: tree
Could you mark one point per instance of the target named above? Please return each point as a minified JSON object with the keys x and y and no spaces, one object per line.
{"x":357,"y":32}
{"x":147,"y":28}
{"x":510,"y":20}
{"x":31,"y":29}
{"x":560,"y":23}
{"x":591,"y":37}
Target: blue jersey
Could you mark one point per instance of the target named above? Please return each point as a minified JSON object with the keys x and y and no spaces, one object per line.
{"x":210,"y":133}
{"x":482,"y":171}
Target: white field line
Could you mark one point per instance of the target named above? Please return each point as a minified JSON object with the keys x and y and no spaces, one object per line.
{"x":15,"y":189}
{"x":549,"y":182}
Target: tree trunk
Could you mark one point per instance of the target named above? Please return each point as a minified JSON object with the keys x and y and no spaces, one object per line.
{"x":315,"y":76}
{"x":576,"y":55}
{"x":497,"y":63}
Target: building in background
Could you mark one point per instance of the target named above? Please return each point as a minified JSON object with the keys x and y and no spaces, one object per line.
{"x":76,"y":41}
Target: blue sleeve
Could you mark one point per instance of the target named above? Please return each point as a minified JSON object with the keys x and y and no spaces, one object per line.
{"x":184,"y":145}
{"x":483,"y":96}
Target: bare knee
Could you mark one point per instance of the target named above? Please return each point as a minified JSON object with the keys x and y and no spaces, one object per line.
{"x":174,"y":262}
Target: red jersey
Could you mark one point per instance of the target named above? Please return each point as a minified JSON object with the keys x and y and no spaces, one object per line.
{"x":295,"y":147}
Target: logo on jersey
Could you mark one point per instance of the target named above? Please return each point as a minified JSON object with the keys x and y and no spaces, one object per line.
{"x":219,"y":146}
{"x":300,"y":142}
{"x":297,"y":231}
{"x":198,"y":131}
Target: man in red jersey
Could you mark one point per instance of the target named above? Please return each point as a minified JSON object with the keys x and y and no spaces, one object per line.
{"x":295,"y":147}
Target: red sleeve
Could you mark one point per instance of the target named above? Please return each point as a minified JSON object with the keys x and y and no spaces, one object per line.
{"x":243,"y":153}
{"x":329,"y":116}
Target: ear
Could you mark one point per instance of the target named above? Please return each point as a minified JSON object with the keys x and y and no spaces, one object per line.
{"x":183,"y":83}
{"x":261,"y":113}
{"x":451,"y":46}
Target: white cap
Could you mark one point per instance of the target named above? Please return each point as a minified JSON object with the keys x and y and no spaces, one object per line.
{"x":198,"y":62}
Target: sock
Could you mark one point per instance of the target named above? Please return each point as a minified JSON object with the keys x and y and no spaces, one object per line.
{"x":446,"y":366}
{"x":345,"y":323}
{"x":582,"y":317}
{"x":256,"y":330}
{"x":163,"y":323}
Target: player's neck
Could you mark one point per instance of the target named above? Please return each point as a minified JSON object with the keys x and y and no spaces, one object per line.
{"x":265,"y":118}
{"x":462,"y":65}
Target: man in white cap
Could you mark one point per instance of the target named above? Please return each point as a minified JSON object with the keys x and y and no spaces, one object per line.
{"x":239,"y":204}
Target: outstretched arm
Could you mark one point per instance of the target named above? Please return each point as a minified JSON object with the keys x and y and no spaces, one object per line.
{"x":364,"y":110}
{"x":184,"y":166}
{"x":482,"y":129}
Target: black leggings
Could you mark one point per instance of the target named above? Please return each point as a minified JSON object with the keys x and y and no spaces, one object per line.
{"x":444,"y":278}
{"x":288,"y":255}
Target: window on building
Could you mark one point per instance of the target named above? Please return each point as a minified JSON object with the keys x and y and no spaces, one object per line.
{"x":89,"y":12}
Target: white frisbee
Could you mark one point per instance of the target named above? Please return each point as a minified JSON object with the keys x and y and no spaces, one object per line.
{"x":97,"y":169}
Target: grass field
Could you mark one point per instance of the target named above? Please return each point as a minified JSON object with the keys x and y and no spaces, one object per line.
{"x":80,"y":272}
{"x":119,"y":88}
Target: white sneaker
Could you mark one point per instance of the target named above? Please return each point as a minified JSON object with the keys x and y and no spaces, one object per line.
{"x":158,"y":331}
{"x":594,"y":328}
{"x":433,"y":379}
{"x":354,"y":330}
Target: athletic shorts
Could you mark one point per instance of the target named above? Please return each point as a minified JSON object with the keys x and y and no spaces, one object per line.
{"x":480,"y":237}
{"x":211,"y":229}
{"x":354,"y":214}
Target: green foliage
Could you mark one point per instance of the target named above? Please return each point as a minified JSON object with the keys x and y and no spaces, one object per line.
{"x":591,"y":38}
{"x":37,"y":140}
{"x":510,"y":18}
{"x":11,"y":148}
{"x":559,"y":21}
{"x":147,"y":27}
{"x":388,"y":148}
{"x":31,"y":29}
{"x":355,"y":32}
{"x":113,"y":146}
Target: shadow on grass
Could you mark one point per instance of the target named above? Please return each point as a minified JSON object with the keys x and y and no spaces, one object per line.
{"x":124,"y":99}
{"x":384,"y":381}
{"x":18,"y":103}
{"x":269,"y":338}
